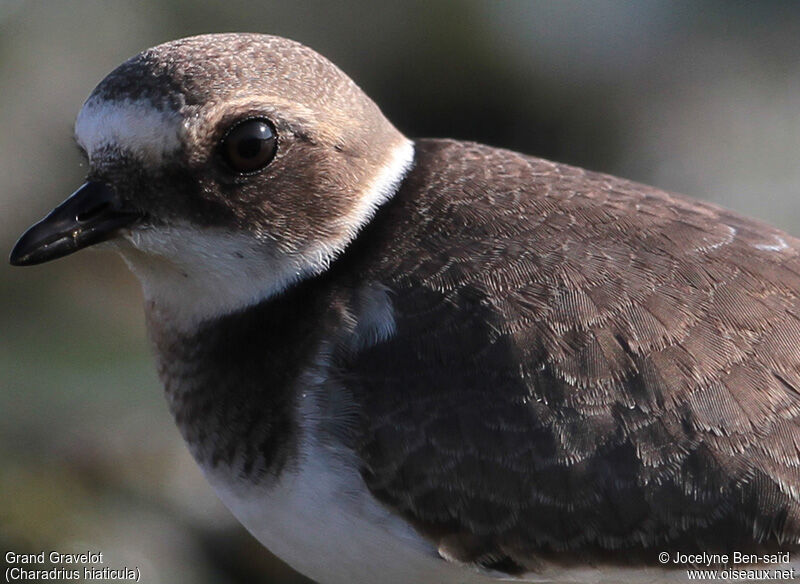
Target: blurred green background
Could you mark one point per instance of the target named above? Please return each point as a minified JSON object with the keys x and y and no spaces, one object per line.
{"x":699,"y":97}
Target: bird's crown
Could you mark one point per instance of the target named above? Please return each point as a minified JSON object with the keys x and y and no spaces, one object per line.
{"x":250,"y":161}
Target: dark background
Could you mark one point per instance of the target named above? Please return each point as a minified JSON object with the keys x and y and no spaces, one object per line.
{"x":699,"y":97}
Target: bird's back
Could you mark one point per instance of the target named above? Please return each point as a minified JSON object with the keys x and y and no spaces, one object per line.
{"x":537,"y":367}
{"x":574,"y":365}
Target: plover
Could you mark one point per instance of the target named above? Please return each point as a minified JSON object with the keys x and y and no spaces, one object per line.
{"x":437,"y":361}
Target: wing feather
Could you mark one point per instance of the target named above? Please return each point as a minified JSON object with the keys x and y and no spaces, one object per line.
{"x":579,"y":363}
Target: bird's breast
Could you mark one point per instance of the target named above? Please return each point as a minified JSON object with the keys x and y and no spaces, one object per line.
{"x":319,"y":517}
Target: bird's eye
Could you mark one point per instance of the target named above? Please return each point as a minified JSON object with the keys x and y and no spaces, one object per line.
{"x":249,"y":145}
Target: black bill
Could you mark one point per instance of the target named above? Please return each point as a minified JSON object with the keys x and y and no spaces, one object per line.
{"x":92,"y":214}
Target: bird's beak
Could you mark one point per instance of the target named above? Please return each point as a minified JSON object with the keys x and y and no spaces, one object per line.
{"x":93,"y":213}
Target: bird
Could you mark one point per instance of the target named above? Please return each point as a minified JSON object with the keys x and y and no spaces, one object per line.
{"x":434,"y":360}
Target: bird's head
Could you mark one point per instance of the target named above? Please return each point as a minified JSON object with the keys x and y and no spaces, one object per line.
{"x":224,"y":168}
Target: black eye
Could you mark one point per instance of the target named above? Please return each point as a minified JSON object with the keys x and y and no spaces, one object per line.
{"x":249,"y":145}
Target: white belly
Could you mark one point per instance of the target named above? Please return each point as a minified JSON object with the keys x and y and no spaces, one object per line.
{"x":322,"y":521}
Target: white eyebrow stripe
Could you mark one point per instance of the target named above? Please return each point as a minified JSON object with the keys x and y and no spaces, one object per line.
{"x":137,"y":127}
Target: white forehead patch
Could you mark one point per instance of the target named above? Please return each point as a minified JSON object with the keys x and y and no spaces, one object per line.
{"x":136,"y":127}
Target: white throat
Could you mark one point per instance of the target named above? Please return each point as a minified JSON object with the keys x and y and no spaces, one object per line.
{"x":190,"y":274}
